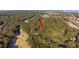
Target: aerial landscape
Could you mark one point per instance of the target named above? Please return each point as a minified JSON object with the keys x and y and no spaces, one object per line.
{"x":39,"y":29}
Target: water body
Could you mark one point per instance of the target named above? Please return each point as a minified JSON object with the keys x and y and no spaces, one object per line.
{"x":11,"y":44}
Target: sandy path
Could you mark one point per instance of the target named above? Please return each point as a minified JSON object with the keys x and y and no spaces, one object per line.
{"x":72,"y":25}
{"x":22,"y":40}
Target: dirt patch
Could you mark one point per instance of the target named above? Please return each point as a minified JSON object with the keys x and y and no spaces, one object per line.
{"x":22,"y":40}
{"x":72,"y":25}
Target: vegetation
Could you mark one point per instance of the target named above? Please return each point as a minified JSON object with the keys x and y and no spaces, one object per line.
{"x":55,"y":32}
